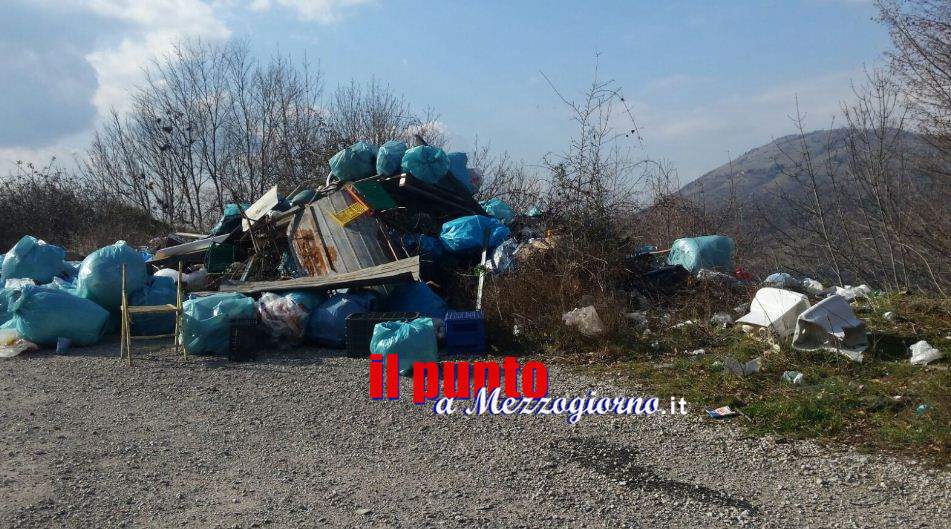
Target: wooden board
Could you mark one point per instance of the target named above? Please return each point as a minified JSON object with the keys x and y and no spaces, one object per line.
{"x":260,"y":207}
{"x":402,"y":271}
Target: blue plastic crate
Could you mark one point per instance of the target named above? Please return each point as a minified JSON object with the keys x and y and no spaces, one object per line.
{"x":465,"y":332}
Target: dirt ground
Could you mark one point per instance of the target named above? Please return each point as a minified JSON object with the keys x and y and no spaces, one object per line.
{"x":293,"y":440}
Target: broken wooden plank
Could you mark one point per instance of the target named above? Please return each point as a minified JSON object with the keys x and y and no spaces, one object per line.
{"x":401,"y":271}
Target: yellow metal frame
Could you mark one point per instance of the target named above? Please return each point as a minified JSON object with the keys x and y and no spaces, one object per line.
{"x":125,"y":337}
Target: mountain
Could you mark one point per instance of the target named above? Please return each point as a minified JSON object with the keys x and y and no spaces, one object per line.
{"x":763,"y":175}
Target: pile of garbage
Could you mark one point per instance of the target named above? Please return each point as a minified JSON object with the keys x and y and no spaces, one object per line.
{"x":375,"y":241}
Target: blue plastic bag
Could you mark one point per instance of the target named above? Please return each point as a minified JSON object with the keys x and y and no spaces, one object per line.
{"x":6,"y":297}
{"x":415,"y":297}
{"x":206,"y":326}
{"x":426,"y":163}
{"x":328,"y":322}
{"x":713,"y":252}
{"x":43,"y":314}
{"x":158,"y":290}
{"x":782,"y":280}
{"x":303,"y":197}
{"x":465,"y":234}
{"x":230,"y":219}
{"x":356,"y":162}
{"x":389,"y":159}
{"x":100,"y":275}
{"x":425,"y":246}
{"x":34,"y":259}
{"x":413,"y":341}
{"x":458,"y":167}
{"x":499,"y":210}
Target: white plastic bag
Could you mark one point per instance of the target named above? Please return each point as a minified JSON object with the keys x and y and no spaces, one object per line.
{"x":922,"y":353}
{"x":282,"y":316}
{"x":585,"y":319}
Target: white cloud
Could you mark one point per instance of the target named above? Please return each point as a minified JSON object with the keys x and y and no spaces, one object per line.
{"x":323,"y":11}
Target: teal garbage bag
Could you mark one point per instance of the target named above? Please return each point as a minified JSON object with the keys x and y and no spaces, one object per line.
{"x":42,"y":315}
{"x":158,"y":290}
{"x":230,"y":219}
{"x":6,"y":296}
{"x":465,"y":234}
{"x":426,"y":163}
{"x":413,"y":341}
{"x":415,"y":297}
{"x":713,"y":252}
{"x":33,"y":259}
{"x":307,"y":299}
{"x":389,"y":159}
{"x":303,"y":197}
{"x":328,"y":322}
{"x":64,"y":285}
{"x":458,"y":168}
{"x":498,"y":209}
{"x":100,"y":275}
{"x":356,"y":162}
{"x":206,"y":325}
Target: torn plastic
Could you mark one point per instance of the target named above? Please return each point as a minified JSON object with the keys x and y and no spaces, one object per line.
{"x":922,"y":353}
{"x":850,"y":293}
{"x":776,"y":309}
{"x":414,"y":341}
{"x":585,"y":319}
{"x":741,"y":370}
{"x":282,"y":316}
{"x":831,"y":324}
{"x":503,"y":257}
{"x":12,"y":344}
{"x":792,"y":377}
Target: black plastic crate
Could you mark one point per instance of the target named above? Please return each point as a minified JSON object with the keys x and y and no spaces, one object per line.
{"x":360,"y":328}
{"x":465,"y":331}
{"x":245,"y":340}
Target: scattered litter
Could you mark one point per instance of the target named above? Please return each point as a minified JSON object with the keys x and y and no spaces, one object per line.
{"x":503,"y":258}
{"x":585,"y":319}
{"x":792,"y":377}
{"x":713,"y":276}
{"x":638,"y":317}
{"x":722,"y":319}
{"x":812,"y":286}
{"x":831,"y":324}
{"x":741,"y":370}
{"x":12,"y":344}
{"x":721,"y":413}
{"x":889,"y":316}
{"x":776,"y":309}
{"x":697,"y":352}
{"x":681,"y":325}
{"x":782,"y":280}
{"x":850,"y":293}
{"x":922,"y":409}
{"x":922,"y":353}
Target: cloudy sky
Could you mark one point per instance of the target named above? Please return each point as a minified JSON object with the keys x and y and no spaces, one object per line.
{"x":705,"y":80}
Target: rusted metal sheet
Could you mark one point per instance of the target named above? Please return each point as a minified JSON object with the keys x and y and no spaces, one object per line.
{"x":323,"y":247}
{"x":403,"y":270}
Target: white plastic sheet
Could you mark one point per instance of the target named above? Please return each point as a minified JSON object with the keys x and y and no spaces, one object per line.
{"x":922,"y":353}
{"x":776,"y":309}
{"x":832,"y":325}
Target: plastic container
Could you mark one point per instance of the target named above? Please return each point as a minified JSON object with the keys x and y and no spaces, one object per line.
{"x":465,"y":331}
{"x":245,"y":339}
{"x":360,"y":328}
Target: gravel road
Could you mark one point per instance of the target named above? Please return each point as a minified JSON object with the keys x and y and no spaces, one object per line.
{"x":292,"y":440}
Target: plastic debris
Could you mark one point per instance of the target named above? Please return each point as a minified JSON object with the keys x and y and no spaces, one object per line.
{"x":19,"y":282}
{"x":792,"y":377}
{"x":922,"y":409}
{"x":812,"y":286}
{"x":889,"y":316}
{"x":850,"y":293}
{"x":776,"y":309}
{"x":426,"y":163}
{"x":414,"y":341}
{"x":498,"y":209}
{"x":782,"y":280}
{"x":282,"y":316}
{"x":721,"y":318}
{"x":328,"y":323}
{"x":712,"y":276}
{"x":35,"y":259}
{"x":356,"y":162}
{"x":389,"y":158}
{"x":63,"y":345}
{"x":42,"y":315}
{"x":711,"y":251}
{"x":721,"y":413}
{"x":741,"y":370}
{"x":415,"y":297}
{"x":503,"y":257}
{"x":585,"y":319}
{"x":12,"y":344}
{"x":458,"y":162}
{"x":100,"y":276}
{"x":831,"y":325}
{"x":207,"y":321}
{"x":922,"y":353}
{"x":697,"y":352}
{"x":466,"y":234}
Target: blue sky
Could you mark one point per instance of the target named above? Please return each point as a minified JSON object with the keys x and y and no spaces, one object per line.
{"x":705,"y":79}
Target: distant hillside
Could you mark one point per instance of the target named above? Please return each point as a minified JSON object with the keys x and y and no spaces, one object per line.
{"x":761,"y":175}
